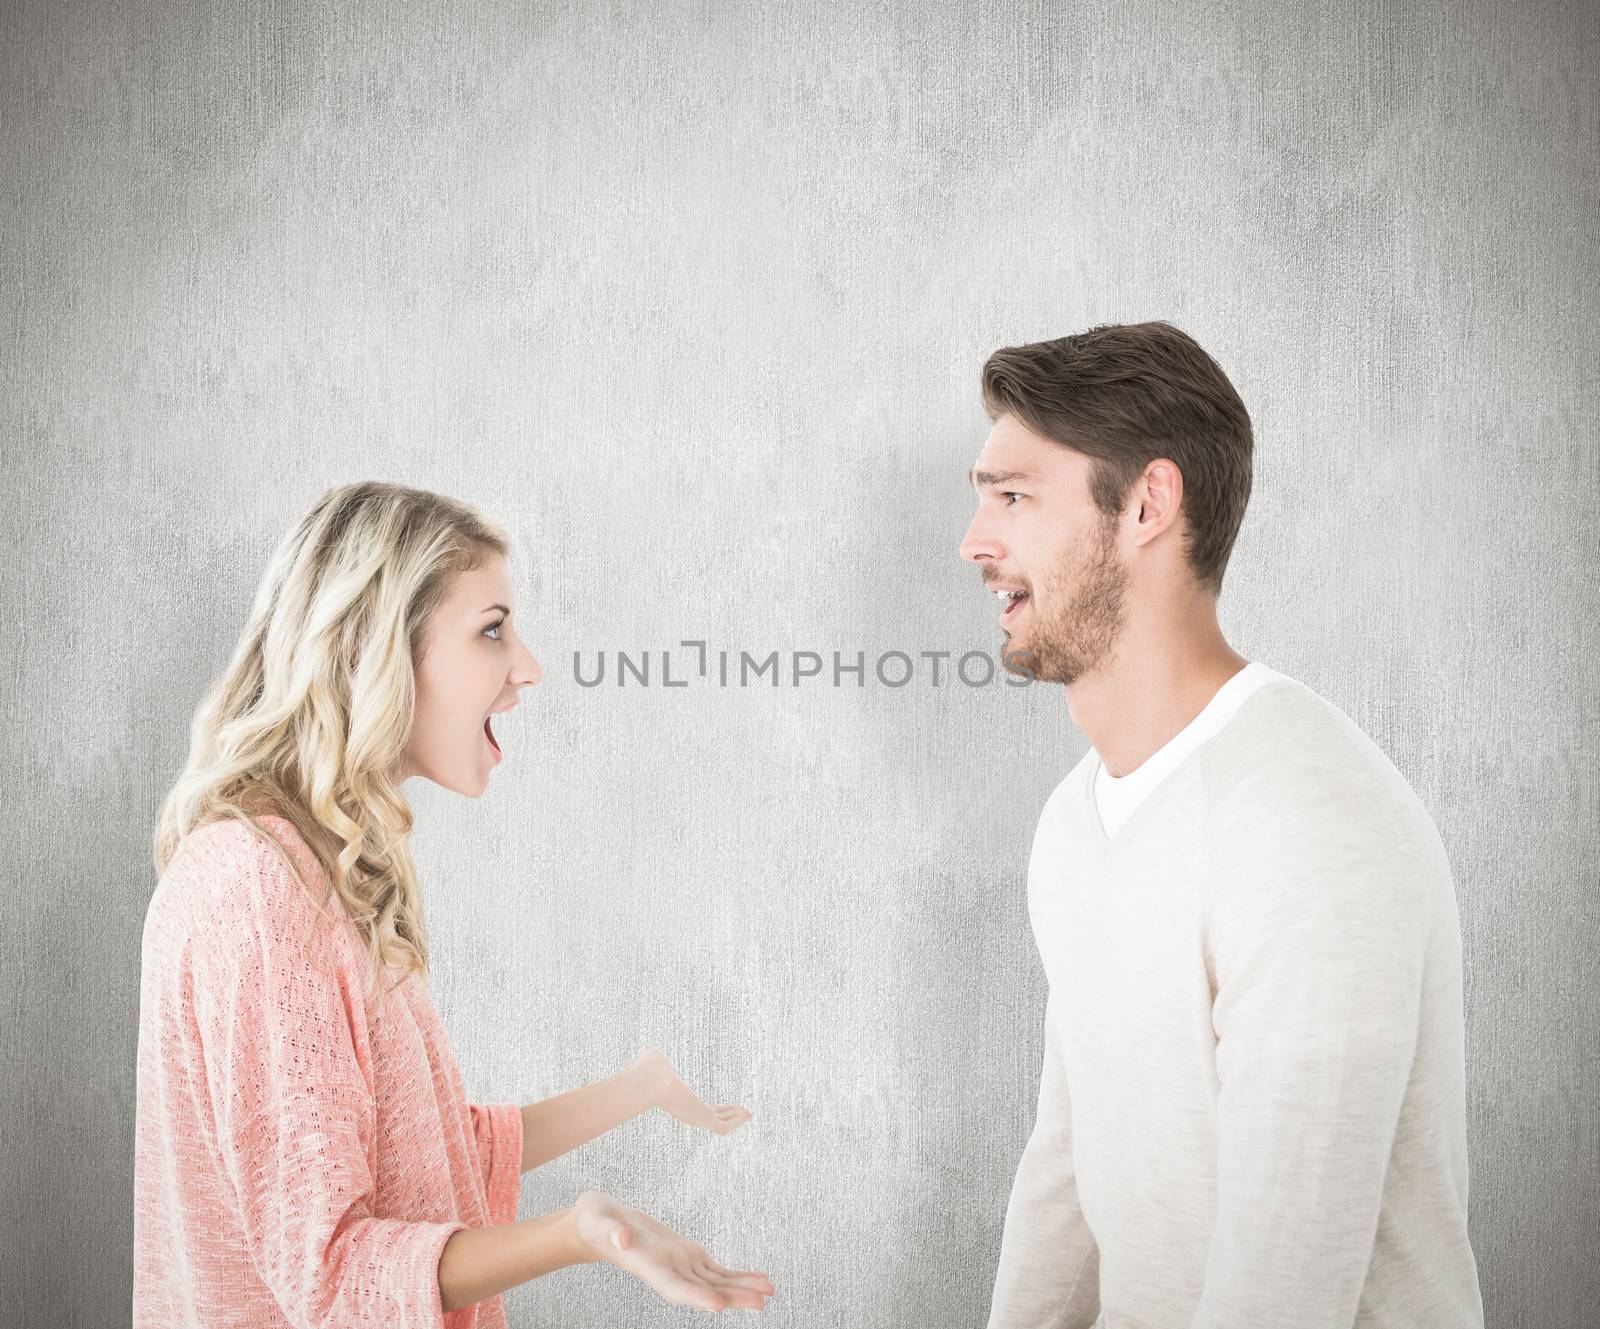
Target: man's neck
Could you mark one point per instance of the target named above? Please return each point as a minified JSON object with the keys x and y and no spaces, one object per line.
{"x":1147,"y":698}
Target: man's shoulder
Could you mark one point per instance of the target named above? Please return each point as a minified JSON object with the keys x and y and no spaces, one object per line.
{"x":1294,"y":762}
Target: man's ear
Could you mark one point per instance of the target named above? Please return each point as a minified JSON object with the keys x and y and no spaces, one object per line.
{"x":1158,"y":492}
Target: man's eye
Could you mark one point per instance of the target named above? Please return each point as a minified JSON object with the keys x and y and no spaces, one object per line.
{"x":495,"y":627}
{"x":1010,"y":495}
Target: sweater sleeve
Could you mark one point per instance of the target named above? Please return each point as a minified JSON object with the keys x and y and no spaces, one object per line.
{"x":1049,"y":1271}
{"x":288,"y":1074}
{"x":498,"y":1130}
{"x":1317,"y":930}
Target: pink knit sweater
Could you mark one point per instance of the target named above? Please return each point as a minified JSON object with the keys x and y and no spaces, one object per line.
{"x":302,"y":1155}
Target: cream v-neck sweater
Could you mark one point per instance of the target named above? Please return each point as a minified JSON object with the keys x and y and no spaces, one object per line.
{"x":1252,"y":1103}
{"x":1116,"y":797}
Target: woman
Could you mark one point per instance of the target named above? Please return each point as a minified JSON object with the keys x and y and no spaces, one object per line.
{"x":305,"y":1151}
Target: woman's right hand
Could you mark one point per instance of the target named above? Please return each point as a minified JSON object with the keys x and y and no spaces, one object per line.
{"x":678,"y":1269}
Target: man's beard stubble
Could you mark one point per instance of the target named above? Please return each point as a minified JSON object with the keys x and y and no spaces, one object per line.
{"x":1079,"y":634}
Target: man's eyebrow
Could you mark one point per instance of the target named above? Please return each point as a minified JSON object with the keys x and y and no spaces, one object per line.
{"x":984,"y":479}
{"x":492,"y":608}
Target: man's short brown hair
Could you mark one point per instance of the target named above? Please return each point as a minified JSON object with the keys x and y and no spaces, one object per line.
{"x":1125,"y":394}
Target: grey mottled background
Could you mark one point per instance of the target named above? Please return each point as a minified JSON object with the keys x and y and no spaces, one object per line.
{"x":694,"y":299}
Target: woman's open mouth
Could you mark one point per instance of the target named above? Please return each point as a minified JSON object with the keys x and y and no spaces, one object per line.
{"x":488,"y":734}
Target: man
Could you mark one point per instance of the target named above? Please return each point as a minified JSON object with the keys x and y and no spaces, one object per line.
{"x":1252,"y":1105}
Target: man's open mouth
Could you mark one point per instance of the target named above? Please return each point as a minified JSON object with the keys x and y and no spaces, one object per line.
{"x":1013,"y":601}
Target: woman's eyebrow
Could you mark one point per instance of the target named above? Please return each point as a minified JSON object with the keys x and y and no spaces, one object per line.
{"x":491,"y":609}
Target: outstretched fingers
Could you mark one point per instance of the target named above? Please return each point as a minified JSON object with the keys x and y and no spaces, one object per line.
{"x":726,"y":1116}
{"x":724,"y":1272}
{"x":691,"y":1292}
{"x":748,"y":1280}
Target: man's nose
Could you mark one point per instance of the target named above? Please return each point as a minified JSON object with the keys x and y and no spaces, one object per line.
{"x":978,"y":543}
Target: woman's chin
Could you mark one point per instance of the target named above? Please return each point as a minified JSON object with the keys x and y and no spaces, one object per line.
{"x":467,"y":787}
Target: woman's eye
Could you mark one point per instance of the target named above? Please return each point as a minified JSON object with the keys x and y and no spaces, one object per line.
{"x":495,"y":627}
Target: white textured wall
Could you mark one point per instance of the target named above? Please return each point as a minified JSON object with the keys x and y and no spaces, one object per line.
{"x":695,"y":301}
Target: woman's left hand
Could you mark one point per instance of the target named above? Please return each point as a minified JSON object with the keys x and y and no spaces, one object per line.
{"x":674,"y":1096}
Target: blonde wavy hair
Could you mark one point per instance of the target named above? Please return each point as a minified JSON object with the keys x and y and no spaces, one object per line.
{"x":310,"y":719}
